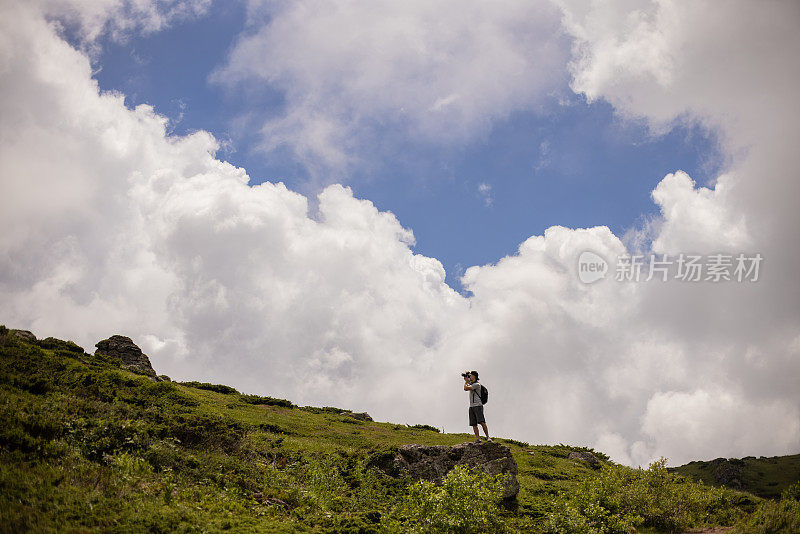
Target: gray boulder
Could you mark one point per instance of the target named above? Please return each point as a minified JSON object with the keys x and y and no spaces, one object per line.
{"x":584,"y":456}
{"x":433,"y":462}
{"x":131,"y":355}
{"x":27,"y":335}
{"x":361,"y":416}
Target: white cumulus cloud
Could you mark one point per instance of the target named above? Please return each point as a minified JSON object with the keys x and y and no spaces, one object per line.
{"x":437,"y":71}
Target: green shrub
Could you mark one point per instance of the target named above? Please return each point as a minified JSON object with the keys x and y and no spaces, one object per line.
{"x":144,"y":392}
{"x":383,"y":461}
{"x":324,"y":480}
{"x":523,"y":444}
{"x":129,"y":466}
{"x":424,"y":427}
{"x":94,"y":384}
{"x":43,"y":421}
{"x":466,"y":501}
{"x":374,"y":490}
{"x":567,"y":518}
{"x":273,"y":428}
{"x":270,"y":401}
{"x":219,"y":388}
{"x":196,"y":430}
{"x":351,"y":421}
{"x":619,"y":498}
{"x":16,"y":439}
{"x":774,"y":517}
{"x":325,"y":409}
{"x":362,"y":523}
{"x":163,"y":455}
{"x":36,"y":384}
{"x":52,"y":343}
{"x":671,"y":502}
{"x":792,"y":492}
{"x":99,"y":438}
{"x":592,"y":507}
{"x":29,"y":427}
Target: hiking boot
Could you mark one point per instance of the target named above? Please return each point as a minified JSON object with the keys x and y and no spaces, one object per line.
{"x":478,"y":440}
{"x":488,"y":439}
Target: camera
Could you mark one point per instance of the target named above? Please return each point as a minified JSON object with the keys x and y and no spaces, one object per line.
{"x":465,"y":375}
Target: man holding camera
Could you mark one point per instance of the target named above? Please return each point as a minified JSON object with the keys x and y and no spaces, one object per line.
{"x":475,"y":405}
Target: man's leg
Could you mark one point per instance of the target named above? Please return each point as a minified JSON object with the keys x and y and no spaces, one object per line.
{"x":473,"y":422}
{"x":480,"y":419}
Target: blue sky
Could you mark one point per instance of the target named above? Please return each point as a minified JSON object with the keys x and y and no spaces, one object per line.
{"x":575,"y":164}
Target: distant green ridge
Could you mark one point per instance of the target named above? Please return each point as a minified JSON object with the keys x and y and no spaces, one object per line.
{"x":766,"y":477}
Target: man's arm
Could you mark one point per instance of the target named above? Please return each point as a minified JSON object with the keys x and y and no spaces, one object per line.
{"x":466,"y":386}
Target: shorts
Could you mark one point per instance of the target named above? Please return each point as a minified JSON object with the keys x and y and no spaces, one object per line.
{"x":476,"y":415}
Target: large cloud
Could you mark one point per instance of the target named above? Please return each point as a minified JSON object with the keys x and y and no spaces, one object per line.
{"x":110,"y":225}
{"x":436,"y":71}
{"x":731,"y":68}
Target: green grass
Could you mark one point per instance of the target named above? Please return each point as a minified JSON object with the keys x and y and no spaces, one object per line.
{"x":86,"y":446}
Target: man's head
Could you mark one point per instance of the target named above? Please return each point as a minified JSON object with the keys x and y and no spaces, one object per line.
{"x":473,"y":376}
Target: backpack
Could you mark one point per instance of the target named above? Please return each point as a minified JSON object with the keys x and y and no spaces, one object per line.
{"x":484,"y":394}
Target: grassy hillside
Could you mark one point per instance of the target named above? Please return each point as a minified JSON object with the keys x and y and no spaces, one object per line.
{"x":765,"y":477}
{"x":86,"y":446}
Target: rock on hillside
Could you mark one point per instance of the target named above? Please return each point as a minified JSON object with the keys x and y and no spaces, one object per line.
{"x":587,"y":457}
{"x":361,"y":416}
{"x":433,"y":462}
{"x":27,"y":335}
{"x":131,"y":355}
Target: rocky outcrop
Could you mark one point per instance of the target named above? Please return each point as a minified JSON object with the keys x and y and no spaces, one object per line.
{"x":27,"y":335}
{"x":131,"y":355}
{"x":585,"y":456}
{"x":361,"y":416}
{"x":433,"y":462}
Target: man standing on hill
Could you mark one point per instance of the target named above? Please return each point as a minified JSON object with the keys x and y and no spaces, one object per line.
{"x":475,"y":405}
